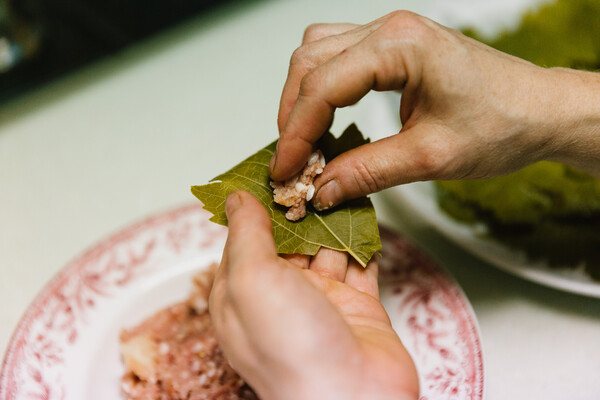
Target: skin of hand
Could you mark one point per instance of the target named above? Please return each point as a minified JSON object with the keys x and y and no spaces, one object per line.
{"x":468,"y":111}
{"x":300,"y":327}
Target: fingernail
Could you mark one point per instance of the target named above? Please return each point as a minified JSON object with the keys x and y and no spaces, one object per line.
{"x":234,"y":201}
{"x":328,"y":195}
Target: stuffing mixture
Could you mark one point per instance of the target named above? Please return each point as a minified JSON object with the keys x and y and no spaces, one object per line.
{"x":174,"y":355}
{"x":296,"y":191}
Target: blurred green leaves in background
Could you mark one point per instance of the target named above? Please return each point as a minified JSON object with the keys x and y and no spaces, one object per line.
{"x":565,"y":33}
{"x":550,"y":210}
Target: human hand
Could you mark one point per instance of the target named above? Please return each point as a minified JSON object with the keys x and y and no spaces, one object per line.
{"x":468,"y":111}
{"x":300,"y":327}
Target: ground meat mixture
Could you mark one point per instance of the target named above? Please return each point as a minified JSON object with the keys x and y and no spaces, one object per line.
{"x":295,"y":192}
{"x":174,"y":355}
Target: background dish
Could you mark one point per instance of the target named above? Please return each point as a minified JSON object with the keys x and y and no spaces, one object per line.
{"x":381,"y":118}
{"x":66,"y":345}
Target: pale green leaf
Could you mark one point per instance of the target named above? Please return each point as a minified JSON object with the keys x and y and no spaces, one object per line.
{"x":351,"y":227}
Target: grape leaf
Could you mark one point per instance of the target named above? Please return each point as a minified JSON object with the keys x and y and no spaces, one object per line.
{"x":350,"y":227}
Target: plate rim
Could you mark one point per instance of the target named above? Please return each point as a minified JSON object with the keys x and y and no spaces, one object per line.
{"x":50,"y":286}
{"x":535,"y":272}
{"x":431,"y":262}
{"x":18,"y":339}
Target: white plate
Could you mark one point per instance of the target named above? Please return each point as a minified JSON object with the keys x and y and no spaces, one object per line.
{"x":380,"y":118}
{"x":66,"y":345}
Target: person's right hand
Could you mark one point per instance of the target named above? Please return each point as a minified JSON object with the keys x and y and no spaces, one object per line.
{"x":468,"y":111}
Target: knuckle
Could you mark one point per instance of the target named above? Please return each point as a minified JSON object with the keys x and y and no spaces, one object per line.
{"x":368,"y":179}
{"x":404,"y":19}
{"x":314,"y":32}
{"x":301,"y":56}
{"x":427,"y":162}
{"x":410,"y":24}
{"x":433,"y":159}
{"x":310,"y":83}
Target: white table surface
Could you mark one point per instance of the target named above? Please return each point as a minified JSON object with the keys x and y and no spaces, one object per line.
{"x":125,"y":138}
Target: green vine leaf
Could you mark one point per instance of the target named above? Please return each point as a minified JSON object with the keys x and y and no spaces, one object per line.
{"x":350,"y":227}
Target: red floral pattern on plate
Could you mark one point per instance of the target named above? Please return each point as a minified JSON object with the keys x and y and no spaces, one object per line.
{"x":426,"y":306}
{"x":434,"y":319}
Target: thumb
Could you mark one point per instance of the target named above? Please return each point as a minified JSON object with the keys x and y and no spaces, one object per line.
{"x":414,"y":154}
{"x":250,"y":238}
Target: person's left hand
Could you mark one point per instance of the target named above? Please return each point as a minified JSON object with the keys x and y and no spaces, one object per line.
{"x":300,"y":327}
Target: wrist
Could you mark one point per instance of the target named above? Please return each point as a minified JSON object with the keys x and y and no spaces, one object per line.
{"x":575,"y":118}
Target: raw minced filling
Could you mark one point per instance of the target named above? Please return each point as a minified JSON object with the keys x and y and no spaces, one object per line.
{"x":174,"y":354}
{"x":297,"y":191}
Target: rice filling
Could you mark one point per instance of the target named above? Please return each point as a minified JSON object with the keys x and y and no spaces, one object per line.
{"x":298,"y":190}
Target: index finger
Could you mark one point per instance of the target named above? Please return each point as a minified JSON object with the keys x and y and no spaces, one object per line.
{"x":320,"y":43}
{"x":340,"y":82}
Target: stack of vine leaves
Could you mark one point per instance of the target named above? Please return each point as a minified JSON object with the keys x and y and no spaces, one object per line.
{"x":550,"y":211}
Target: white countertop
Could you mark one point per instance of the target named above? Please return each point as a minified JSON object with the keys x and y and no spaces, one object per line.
{"x":125,"y":138}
